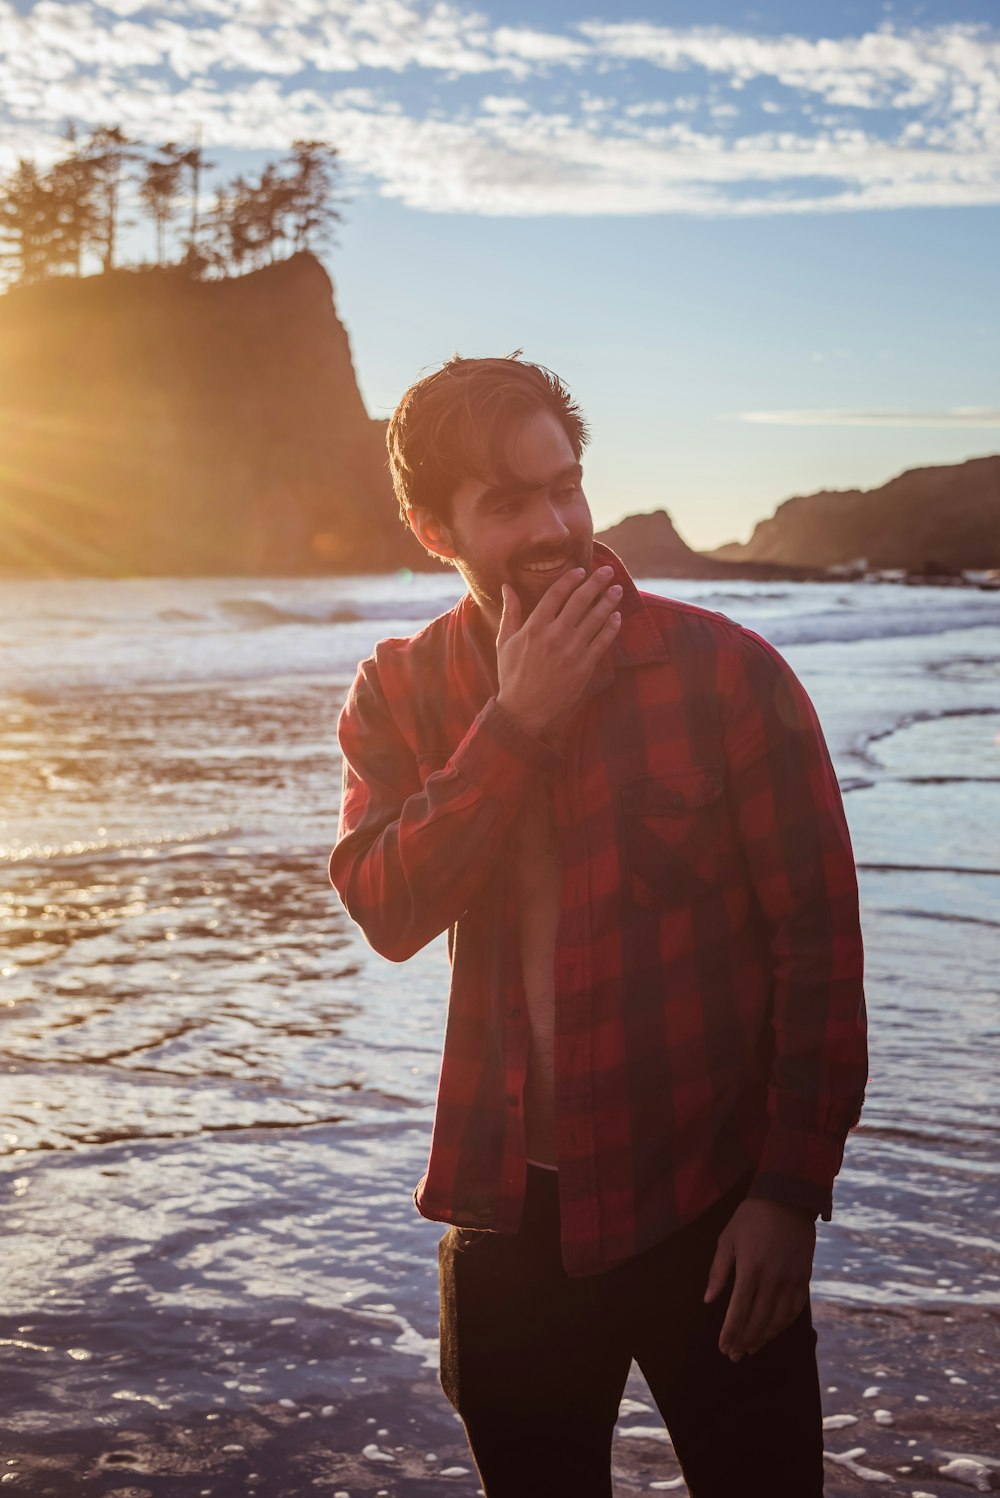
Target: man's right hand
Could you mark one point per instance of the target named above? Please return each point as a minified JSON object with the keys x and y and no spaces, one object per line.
{"x":545,"y":663}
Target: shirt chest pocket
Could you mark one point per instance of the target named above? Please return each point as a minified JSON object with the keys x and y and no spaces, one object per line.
{"x":673,"y":834}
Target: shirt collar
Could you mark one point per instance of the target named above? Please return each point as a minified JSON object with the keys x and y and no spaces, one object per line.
{"x":639,"y":640}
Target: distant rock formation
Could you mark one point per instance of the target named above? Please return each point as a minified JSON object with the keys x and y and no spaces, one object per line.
{"x":650,"y":542}
{"x":649,"y":546}
{"x":155,"y":425}
{"x":928,"y":520}
{"x":152,"y":424}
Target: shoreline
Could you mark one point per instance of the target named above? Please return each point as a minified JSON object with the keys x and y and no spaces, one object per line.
{"x":907,"y":1392}
{"x":749,"y":572}
{"x":193,"y":1243}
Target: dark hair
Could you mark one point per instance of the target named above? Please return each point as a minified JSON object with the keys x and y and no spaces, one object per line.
{"x":457,"y":422}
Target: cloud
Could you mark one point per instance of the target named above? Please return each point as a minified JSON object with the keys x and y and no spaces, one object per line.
{"x":955,"y":416}
{"x":950,"y":65}
{"x":538,"y":47}
{"x":255,"y":74}
{"x":503,"y":104}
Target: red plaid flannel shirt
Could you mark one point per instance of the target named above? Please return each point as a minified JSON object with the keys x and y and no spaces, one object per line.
{"x":710,"y":1016}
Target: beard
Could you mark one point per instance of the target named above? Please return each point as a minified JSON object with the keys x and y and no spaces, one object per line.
{"x":485,"y":579}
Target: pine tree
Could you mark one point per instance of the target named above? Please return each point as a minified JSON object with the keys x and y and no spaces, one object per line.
{"x":74,"y":182}
{"x":230,"y":219}
{"x":109,"y":152}
{"x":271,"y":206}
{"x":314,"y":180}
{"x":158,"y":194}
{"x":250,"y":219}
{"x":49,"y":221}
{"x":27,"y":225}
{"x":193,"y":160}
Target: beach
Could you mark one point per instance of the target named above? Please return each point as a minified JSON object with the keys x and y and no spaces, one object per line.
{"x":215,"y":1100}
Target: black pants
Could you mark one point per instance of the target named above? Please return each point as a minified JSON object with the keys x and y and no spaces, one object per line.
{"x":535,"y":1363}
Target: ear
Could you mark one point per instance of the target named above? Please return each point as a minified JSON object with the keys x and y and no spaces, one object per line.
{"x":432,"y":532}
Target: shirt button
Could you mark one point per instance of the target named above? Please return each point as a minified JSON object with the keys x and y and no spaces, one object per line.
{"x":515,"y":1012}
{"x":512,"y":1100}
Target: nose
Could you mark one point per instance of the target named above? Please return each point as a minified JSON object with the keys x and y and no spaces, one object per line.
{"x":549,"y":530}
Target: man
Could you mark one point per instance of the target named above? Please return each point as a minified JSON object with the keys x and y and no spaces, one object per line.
{"x":622,"y":810}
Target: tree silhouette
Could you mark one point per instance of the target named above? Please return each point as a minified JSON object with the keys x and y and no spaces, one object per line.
{"x":50,"y":220}
{"x":250,"y":219}
{"x":314,"y":179}
{"x":272,"y":207}
{"x":158,"y":194}
{"x":74,"y":182}
{"x":27,"y":223}
{"x":194,"y":161}
{"x":109,"y":150}
{"x":230,"y":225}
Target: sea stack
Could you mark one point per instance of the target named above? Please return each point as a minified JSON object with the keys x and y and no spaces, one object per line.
{"x":152,"y":423}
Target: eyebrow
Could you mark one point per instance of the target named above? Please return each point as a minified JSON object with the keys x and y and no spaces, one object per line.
{"x":507,"y":491}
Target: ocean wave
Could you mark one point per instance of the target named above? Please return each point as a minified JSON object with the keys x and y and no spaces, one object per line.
{"x":839,"y":625}
{"x":207,"y":631}
{"x":99,"y":850}
{"x":262,"y":613}
{"x":720,"y":599}
{"x":950,"y":917}
{"x":834,"y":627}
{"x":927,"y":868}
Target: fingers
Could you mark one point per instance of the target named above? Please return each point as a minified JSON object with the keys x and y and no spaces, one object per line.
{"x":784,"y":1309}
{"x":510,"y":619}
{"x":594,"y":620}
{"x":773,"y":1253}
{"x":721,"y":1265}
{"x":597,"y":646}
{"x":756,"y":1329}
{"x":580,"y":604}
{"x":553,"y":599}
{"x":770,"y":1313}
{"x":593,"y":591}
{"x":740,"y":1308}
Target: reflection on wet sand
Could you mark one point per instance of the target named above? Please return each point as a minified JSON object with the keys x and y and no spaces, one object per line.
{"x":198,"y":999}
{"x":215,"y":1100}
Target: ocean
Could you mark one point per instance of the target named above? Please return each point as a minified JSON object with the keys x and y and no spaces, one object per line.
{"x":215,"y":1100}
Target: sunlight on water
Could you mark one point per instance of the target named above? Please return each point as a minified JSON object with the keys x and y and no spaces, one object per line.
{"x":216,"y":1099}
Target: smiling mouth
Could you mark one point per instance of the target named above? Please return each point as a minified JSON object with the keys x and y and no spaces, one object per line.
{"x":544,"y":569}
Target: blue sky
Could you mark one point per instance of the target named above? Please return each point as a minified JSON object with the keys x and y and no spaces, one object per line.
{"x":759,"y":242}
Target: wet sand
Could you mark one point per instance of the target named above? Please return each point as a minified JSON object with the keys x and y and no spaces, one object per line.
{"x":907,"y":1393}
{"x":216,"y":1100}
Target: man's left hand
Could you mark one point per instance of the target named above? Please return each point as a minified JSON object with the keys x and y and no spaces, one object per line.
{"x":770,"y":1247}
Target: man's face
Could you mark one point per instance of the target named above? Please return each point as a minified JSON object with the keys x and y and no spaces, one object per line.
{"x":528,"y":535}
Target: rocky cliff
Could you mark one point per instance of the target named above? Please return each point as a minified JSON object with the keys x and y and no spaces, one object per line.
{"x":151,"y":424}
{"x":649,"y":546}
{"x":926,"y":520}
{"x":154,"y":424}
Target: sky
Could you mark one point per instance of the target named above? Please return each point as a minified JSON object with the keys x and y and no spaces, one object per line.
{"x":761,"y":244}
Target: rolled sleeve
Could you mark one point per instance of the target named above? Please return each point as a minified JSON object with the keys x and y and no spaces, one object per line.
{"x":795,"y":838}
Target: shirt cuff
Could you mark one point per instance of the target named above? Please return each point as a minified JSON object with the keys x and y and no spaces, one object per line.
{"x":498,"y":755}
{"x":797,"y":1169}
